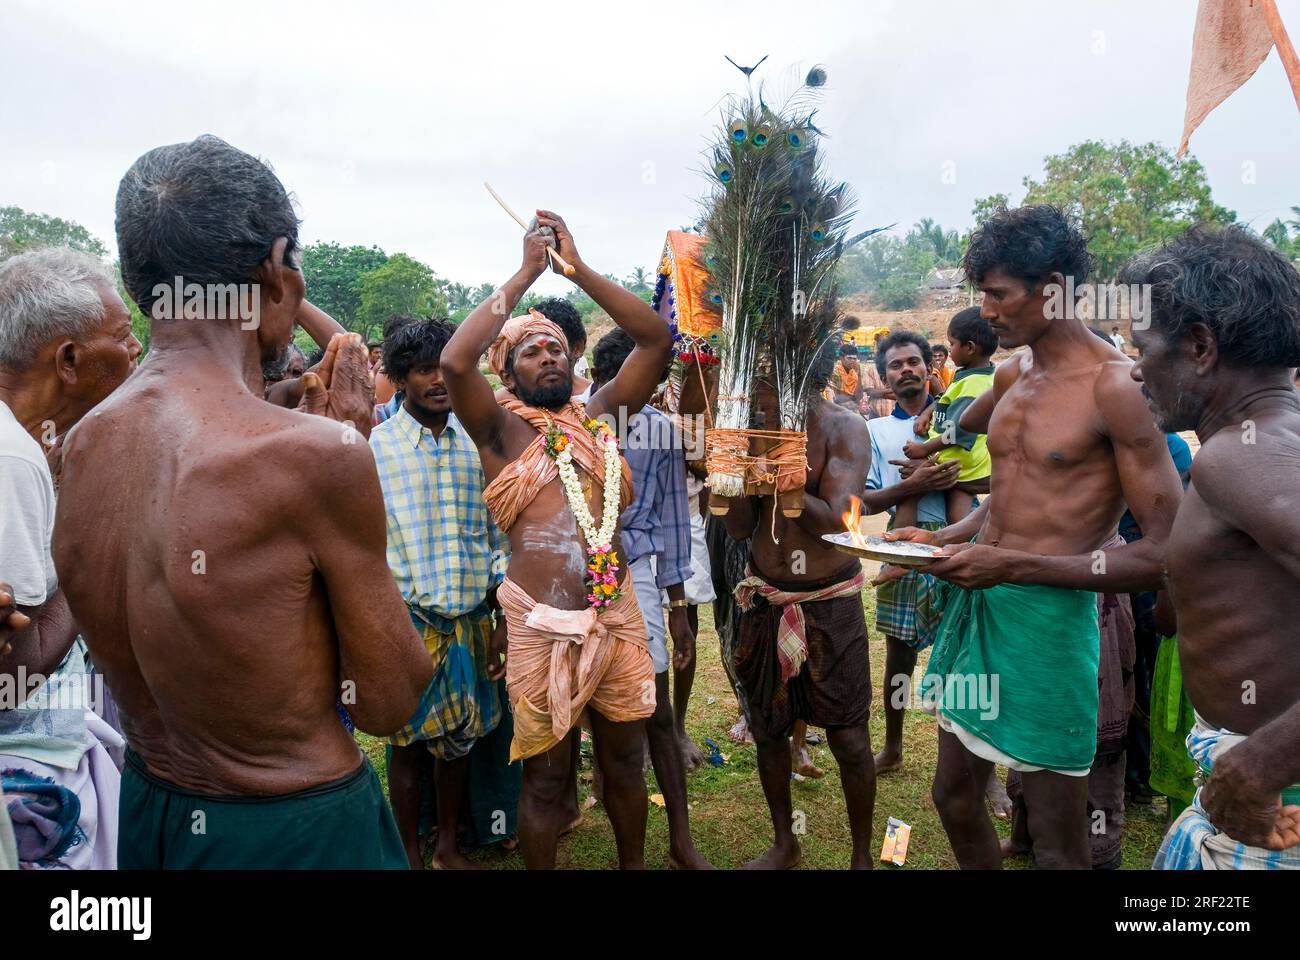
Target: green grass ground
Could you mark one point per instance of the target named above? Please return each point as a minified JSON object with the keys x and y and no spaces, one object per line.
{"x":729,"y":817}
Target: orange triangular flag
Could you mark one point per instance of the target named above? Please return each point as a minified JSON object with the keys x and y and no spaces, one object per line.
{"x":1231,"y":40}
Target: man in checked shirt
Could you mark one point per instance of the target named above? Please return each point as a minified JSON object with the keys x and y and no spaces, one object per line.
{"x":448,"y":558}
{"x":656,"y":532}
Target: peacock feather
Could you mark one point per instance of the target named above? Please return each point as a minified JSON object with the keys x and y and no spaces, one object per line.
{"x":805,"y":318}
{"x":777,"y":226}
{"x":751,"y":173}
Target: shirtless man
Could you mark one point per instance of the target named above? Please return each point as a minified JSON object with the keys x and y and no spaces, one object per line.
{"x":565,"y":655}
{"x":1214,"y":357}
{"x":225,"y":557}
{"x":828,"y":683}
{"x":1014,"y":668}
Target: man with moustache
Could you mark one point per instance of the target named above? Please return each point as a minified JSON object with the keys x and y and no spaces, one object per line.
{"x":903,"y":611}
{"x":448,"y":559}
{"x":1214,"y":356}
{"x":1072,"y":443}
{"x":561,"y":312}
{"x":576,"y":639}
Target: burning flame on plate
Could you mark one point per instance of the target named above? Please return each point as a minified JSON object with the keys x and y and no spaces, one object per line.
{"x":853,"y":523}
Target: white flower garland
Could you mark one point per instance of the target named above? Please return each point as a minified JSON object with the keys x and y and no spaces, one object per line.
{"x":598,"y":538}
{"x":602,"y":562}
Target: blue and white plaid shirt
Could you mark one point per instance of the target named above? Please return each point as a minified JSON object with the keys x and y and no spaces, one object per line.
{"x":444,"y":549}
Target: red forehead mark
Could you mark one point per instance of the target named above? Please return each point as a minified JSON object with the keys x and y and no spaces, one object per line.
{"x":541,"y":339}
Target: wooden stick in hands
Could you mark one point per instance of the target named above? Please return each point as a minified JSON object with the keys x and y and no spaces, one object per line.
{"x":558,"y":260}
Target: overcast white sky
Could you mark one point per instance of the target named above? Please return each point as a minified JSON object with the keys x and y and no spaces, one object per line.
{"x":385,"y":122}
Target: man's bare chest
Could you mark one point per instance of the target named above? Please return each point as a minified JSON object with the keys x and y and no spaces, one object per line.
{"x":1048,"y":423}
{"x":1202,"y":548}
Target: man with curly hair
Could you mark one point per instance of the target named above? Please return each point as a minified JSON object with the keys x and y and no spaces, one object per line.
{"x":1013,"y":674}
{"x":448,"y":557}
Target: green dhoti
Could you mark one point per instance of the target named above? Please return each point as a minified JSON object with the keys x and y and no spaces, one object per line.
{"x":343,"y":825}
{"x":1173,"y":771}
{"x":1016,"y":667}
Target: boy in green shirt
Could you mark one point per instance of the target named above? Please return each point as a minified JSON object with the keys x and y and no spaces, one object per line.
{"x":971,"y":342}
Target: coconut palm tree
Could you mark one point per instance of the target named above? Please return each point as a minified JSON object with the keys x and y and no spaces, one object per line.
{"x":946,"y":244}
{"x":458,"y":296}
{"x":1277,"y":234}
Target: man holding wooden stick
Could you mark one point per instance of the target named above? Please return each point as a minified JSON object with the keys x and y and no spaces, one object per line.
{"x":556,"y":485}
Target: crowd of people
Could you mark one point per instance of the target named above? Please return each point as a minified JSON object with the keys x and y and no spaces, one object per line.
{"x":218,"y":565}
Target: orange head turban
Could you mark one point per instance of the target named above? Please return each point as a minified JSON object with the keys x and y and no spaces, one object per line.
{"x":516,"y":330}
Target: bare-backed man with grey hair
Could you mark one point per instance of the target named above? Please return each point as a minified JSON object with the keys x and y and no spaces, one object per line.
{"x":225,"y":557}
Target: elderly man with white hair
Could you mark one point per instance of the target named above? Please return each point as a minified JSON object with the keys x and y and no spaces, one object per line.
{"x":65,"y":344}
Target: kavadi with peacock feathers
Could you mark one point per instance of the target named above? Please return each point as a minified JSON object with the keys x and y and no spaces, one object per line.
{"x":776,"y":228}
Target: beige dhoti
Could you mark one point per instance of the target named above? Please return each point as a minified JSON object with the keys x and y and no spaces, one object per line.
{"x":559,"y":662}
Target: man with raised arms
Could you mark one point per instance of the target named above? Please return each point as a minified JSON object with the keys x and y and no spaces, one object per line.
{"x":556,"y":485}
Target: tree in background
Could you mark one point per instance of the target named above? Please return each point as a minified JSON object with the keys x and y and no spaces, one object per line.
{"x":333,"y":276}
{"x":910,"y":265}
{"x":1279,"y":233}
{"x":401,"y":285}
{"x":862,"y":268}
{"x":946,"y":244}
{"x":894,"y":270}
{"x":984,"y":208}
{"x":1127,"y":197}
{"x":21,"y":231}
{"x":459,"y":296}
{"x":139,"y":320}
{"x":638,"y":280}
